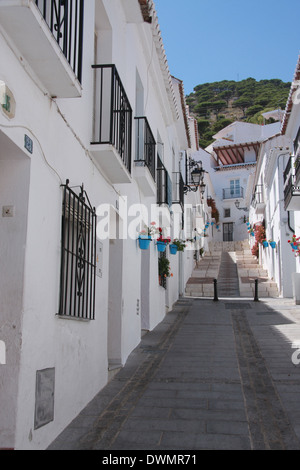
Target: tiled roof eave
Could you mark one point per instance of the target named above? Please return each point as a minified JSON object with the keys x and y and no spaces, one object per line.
{"x":289,"y":104}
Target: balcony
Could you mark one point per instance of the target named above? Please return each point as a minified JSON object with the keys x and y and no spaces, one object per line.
{"x":49,"y":35}
{"x":233,"y":193}
{"x":288,"y":170}
{"x":144,"y":164}
{"x":178,"y":190}
{"x":112,"y":127}
{"x":297,"y":169}
{"x":164,"y":185}
{"x":258,"y":200}
{"x":291,"y":195}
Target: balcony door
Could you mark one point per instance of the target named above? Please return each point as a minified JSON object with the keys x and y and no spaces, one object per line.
{"x":235,"y":188}
{"x":228,"y":232}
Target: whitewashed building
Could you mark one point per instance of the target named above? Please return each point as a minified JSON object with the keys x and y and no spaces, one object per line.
{"x":92,"y":139}
{"x":291,"y":179}
{"x":232,"y":169}
{"x":275,"y":201}
{"x":267,"y":208}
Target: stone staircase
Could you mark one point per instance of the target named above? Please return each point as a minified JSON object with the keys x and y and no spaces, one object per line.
{"x":235,"y":268}
{"x":228,"y":282}
{"x":249,"y":270}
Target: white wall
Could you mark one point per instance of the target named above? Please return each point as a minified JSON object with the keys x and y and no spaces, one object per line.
{"x":61,"y":131}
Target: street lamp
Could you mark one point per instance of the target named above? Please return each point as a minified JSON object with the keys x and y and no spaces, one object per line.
{"x":202,"y":189}
{"x":237,"y":205}
{"x":197,"y":177}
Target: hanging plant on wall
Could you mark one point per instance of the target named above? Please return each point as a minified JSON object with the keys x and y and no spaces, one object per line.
{"x":260,"y":236}
{"x":214,"y":211}
{"x":180,"y":244}
{"x":295,"y":245}
{"x":164,"y":269}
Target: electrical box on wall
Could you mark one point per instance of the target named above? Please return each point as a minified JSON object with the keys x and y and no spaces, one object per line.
{"x":8,"y":211}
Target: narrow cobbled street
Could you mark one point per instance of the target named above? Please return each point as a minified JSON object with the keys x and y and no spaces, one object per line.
{"x":213,"y":375}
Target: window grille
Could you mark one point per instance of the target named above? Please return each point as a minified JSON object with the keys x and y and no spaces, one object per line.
{"x":164,"y":185}
{"x":162,"y":279}
{"x":78,"y":256}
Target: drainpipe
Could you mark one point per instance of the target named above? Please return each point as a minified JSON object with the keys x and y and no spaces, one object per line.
{"x":289,"y":223}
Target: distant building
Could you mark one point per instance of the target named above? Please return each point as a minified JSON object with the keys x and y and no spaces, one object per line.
{"x":232,"y":170}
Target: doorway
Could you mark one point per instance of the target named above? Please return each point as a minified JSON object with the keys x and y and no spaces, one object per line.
{"x":228,"y":232}
{"x":115,"y":297}
{"x":14,"y":198}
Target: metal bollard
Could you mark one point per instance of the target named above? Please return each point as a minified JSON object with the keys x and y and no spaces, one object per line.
{"x":215,"y":290}
{"x":256,"y":291}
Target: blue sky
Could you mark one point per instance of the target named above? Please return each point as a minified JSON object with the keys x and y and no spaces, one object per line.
{"x":213,"y":40}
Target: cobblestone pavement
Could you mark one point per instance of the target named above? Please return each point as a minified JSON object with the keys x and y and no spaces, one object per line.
{"x":212,"y":375}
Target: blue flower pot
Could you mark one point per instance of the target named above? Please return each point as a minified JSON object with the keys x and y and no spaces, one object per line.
{"x":294,"y":246}
{"x":144,"y":242}
{"x":252,"y":234}
{"x":161,"y":246}
{"x":266,"y":244}
{"x":273,"y":244}
{"x":173,"y":249}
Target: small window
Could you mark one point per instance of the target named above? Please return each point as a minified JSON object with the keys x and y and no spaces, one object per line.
{"x":226,"y":213}
{"x":78,"y":256}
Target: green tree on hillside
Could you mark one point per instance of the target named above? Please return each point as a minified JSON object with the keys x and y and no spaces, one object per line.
{"x":244,"y":100}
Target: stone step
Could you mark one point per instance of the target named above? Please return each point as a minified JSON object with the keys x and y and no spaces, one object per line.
{"x":231,"y":263}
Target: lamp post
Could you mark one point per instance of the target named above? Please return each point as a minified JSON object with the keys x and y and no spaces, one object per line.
{"x":197,"y":177}
{"x":237,"y":205}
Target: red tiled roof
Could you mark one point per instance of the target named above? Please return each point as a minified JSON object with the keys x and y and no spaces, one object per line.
{"x":235,"y":153}
{"x":146,"y":10}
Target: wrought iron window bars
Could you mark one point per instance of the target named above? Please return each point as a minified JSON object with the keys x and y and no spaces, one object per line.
{"x":78,"y":256}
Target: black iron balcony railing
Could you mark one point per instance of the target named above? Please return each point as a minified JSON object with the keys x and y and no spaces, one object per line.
{"x":287,"y":170}
{"x":164,"y":185}
{"x":178,"y":189}
{"x":233,"y":193}
{"x":112,"y":113}
{"x":65,"y":21}
{"x":145,"y":145}
{"x":297,"y":168}
{"x":288,"y":191}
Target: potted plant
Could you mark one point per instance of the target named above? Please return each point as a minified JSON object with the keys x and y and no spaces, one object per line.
{"x":164,"y":269}
{"x":179,"y":243}
{"x":294,"y":242}
{"x":145,"y":235}
{"x":272,"y":244}
{"x":161,"y":241}
{"x":265,"y":243}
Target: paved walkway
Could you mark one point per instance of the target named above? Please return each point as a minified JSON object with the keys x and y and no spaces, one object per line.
{"x":212,"y":375}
